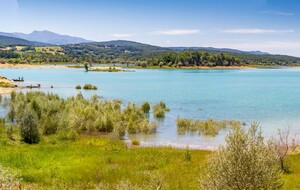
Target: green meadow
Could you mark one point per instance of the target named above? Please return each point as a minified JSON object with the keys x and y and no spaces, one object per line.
{"x":92,"y":162}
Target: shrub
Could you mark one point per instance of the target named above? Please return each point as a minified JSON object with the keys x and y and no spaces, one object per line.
{"x":29,"y":127}
{"x":145,"y":107}
{"x":159,"y":109}
{"x":89,"y":87}
{"x":9,"y":132}
{"x":246,"y":162}
{"x":77,"y":114}
{"x":135,"y":142}
{"x":78,"y":87}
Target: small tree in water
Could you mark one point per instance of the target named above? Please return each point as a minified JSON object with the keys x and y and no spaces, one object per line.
{"x":86,"y":66}
{"x":29,"y":127}
{"x":246,"y":162}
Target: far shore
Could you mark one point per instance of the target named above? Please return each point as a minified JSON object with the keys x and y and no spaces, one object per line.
{"x":64,"y":66}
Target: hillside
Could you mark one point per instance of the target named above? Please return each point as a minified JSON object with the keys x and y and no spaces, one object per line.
{"x":121,"y":51}
{"x":47,"y":37}
{"x":6,"y":40}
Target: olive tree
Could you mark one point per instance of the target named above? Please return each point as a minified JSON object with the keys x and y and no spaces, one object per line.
{"x":246,"y":162}
{"x":29,"y":127}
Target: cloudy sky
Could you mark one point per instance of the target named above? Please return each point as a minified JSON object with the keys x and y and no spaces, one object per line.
{"x":266,"y":25}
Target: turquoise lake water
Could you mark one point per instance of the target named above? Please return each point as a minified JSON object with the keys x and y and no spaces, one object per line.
{"x":268,"y":96}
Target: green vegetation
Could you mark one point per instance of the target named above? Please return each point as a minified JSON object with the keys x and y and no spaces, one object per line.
{"x":6,"y":85}
{"x":135,"y":142}
{"x":107,"y":70}
{"x":246,"y":162}
{"x":89,"y":87}
{"x":48,"y":114}
{"x":29,"y":125}
{"x":207,"y":127}
{"x":79,"y":147}
{"x":78,"y":87}
{"x":145,"y":107}
{"x":140,"y":55}
{"x":97,"y":161}
{"x":193,"y":58}
{"x":159,"y":109}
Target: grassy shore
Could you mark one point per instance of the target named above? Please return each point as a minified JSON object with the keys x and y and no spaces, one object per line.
{"x":92,"y":161}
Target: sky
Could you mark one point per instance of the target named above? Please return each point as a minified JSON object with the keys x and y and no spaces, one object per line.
{"x":266,"y":25}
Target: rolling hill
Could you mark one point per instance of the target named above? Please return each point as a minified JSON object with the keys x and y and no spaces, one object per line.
{"x":47,"y":37}
{"x":6,"y":40}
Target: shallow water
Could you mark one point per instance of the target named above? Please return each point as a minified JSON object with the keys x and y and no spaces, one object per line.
{"x":268,"y":96}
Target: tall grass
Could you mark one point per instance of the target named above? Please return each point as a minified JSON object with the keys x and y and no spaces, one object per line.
{"x":207,"y":127}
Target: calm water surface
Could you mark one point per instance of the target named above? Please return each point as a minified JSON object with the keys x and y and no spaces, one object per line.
{"x":268,"y":96}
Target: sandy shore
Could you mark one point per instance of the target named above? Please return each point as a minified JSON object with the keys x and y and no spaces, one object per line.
{"x":6,"y":90}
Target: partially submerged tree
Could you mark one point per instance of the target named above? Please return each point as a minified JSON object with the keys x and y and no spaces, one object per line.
{"x":246,"y":162}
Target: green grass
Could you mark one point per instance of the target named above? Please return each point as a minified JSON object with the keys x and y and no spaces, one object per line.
{"x":95,"y":160}
{"x":292,"y":179}
{"x":50,"y":49}
{"x":91,"y":160}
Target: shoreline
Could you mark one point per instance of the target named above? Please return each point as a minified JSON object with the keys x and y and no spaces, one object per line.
{"x":7,"y":85}
{"x":80,"y":66}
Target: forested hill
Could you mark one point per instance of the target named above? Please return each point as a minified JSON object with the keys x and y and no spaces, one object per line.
{"x":113,"y":47}
{"x":7,"y":40}
{"x":15,"y":50}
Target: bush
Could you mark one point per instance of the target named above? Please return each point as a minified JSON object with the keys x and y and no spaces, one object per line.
{"x":135,"y":142}
{"x":89,"y":87}
{"x":246,"y":162}
{"x":159,"y":109}
{"x":77,"y":114}
{"x":145,"y":107}
{"x":78,"y":87}
{"x":9,"y":132}
{"x":29,"y":127}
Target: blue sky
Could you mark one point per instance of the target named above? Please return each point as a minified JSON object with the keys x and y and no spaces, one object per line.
{"x":266,"y":25}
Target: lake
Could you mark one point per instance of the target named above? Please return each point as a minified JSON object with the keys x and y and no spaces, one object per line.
{"x":268,"y":96}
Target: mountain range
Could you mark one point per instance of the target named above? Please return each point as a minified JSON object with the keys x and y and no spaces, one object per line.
{"x":43,"y":38}
{"x":47,"y":37}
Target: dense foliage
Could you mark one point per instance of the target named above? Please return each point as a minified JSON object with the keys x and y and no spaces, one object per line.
{"x":246,"y":162}
{"x":37,"y":112}
{"x":136,"y":53}
{"x":193,"y":58}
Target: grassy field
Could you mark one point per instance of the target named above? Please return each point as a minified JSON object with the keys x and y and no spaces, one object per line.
{"x":49,"y":49}
{"x":92,"y":161}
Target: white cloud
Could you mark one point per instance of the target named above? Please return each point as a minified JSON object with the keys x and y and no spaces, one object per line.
{"x":178,"y":32}
{"x":255,"y":31}
{"x":280,"y":13}
{"x":122,"y":35}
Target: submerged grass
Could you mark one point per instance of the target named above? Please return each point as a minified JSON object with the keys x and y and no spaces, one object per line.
{"x":207,"y":127}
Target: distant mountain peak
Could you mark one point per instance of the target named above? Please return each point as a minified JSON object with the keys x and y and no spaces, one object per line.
{"x":48,"y":37}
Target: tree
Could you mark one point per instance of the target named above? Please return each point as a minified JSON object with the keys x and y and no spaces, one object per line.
{"x":86,"y":66}
{"x":282,"y":146}
{"x":246,"y":162}
{"x":29,"y":127}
